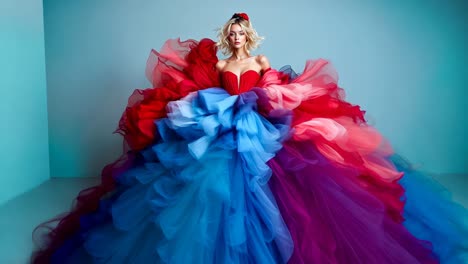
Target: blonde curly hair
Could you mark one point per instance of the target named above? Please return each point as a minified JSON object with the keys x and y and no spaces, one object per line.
{"x":253,"y":39}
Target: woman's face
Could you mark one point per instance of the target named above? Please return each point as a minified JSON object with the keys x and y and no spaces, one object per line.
{"x":237,"y":37}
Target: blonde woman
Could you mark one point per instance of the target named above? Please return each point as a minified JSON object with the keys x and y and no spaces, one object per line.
{"x":236,"y":39}
{"x":230,"y":161}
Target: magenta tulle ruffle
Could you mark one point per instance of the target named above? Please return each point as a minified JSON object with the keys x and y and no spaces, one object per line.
{"x":332,"y":219}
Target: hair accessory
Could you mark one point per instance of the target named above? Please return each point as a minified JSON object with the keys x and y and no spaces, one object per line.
{"x":241,"y":15}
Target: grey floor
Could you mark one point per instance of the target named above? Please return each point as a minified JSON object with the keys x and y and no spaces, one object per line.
{"x":19,"y":216}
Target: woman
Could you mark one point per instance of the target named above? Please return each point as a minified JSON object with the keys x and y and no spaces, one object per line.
{"x":273,"y":167}
{"x":237,"y":38}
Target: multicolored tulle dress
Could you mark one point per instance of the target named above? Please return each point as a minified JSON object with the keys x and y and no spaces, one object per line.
{"x":265,"y":167}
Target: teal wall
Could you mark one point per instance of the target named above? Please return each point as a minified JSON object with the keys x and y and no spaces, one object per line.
{"x":24,"y":156}
{"x":402,"y":61}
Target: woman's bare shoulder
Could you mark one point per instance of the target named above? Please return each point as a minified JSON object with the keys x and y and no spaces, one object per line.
{"x":261,"y":58}
{"x":263,"y":61}
{"x":220,"y":65}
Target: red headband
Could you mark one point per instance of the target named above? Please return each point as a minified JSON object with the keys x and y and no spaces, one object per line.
{"x":241,"y":15}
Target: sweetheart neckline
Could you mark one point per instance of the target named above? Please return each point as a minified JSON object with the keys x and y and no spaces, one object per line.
{"x":239,"y":77}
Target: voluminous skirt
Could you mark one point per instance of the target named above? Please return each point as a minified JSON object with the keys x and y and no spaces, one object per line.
{"x":287,"y":172}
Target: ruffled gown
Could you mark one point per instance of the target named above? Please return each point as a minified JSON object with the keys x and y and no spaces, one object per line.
{"x":269,"y":167}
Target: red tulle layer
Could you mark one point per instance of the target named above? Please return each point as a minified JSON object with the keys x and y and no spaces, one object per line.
{"x":180,"y":68}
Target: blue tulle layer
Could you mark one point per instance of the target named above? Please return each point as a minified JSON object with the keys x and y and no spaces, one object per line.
{"x":200,"y":195}
{"x":431,"y":215}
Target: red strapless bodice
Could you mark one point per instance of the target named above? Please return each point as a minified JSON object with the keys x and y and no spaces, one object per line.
{"x":237,"y":85}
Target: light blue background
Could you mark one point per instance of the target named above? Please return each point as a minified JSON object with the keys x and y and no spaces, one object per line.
{"x":24,"y":156}
{"x":403,"y":62}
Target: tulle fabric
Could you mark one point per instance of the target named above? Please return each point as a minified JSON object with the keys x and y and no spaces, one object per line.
{"x":179,"y":68}
{"x":337,"y":129}
{"x":51,"y":235}
{"x":286,"y":172}
{"x":430,"y":214}
{"x":201,"y":195}
{"x":321,"y":115}
{"x":335,"y":180}
{"x":332,"y":218}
